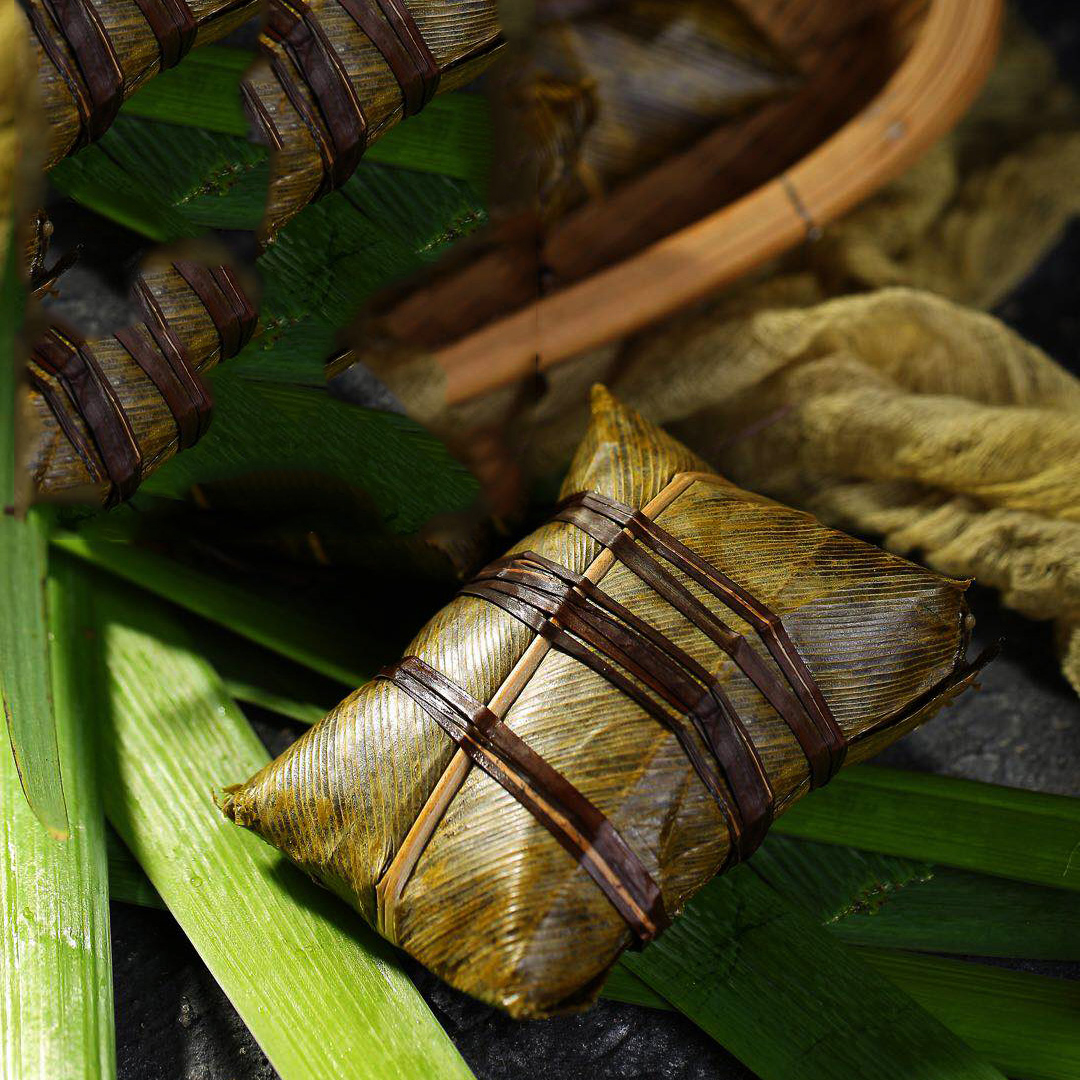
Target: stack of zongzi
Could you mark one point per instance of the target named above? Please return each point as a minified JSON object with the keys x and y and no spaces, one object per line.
{"x":605,"y":718}
{"x":104,"y":414}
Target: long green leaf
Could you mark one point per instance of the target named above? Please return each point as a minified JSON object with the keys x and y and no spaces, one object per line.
{"x":1025,"y":1024}
{"x":383,"y":224}
{"x":870,"y":899}
{"x":128,"y":884}
{"x":56,"y":1019}
{"x":1025,"y":835}
{"x":772,"y":987}
{"x":1028,"y":1025}
{"x":268,"y":623}
{"x":24,"y":686}
{"x":24,"y":657}
{"x":320,"y":993}
{"x":971,"y":915}
{"x":202,"y":92}
{"x":269,"y":427}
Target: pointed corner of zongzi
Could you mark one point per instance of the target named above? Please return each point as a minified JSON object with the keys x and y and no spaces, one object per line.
{"x":624,"y":455}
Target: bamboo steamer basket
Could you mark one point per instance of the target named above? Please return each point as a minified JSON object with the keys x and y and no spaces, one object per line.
{"x":943,"y":52}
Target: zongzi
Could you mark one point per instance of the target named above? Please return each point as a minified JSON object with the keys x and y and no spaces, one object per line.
{"x":605,"y":718}
{"x":92,"y":56}
{"x":336,"y":74}
{"x":103,"y":414}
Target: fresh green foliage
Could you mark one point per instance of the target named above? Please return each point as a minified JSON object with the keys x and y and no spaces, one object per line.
{"x":24,"y":675}
{"x":1025,"y":1024}
{"x":273,"y":624}
{"x":322,"y":996}
{"x":1016,"y":834}
{"x":265,"y":426}
{"x":177,"y":160}
{"x":56,"y":1017}
{"x":870,"y":899}
{"x":202,"y":92}
{"x":833,"y":883}
{"x":969,"y":915}
{"x":127,"y":882}
{"x":739,"y":945}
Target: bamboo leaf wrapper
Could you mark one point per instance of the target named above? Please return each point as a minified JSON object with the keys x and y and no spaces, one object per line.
{"x":91,"y":56}
{"x":334,"y":75}
{"x":104,"y":414}
{"x":594,"y":789}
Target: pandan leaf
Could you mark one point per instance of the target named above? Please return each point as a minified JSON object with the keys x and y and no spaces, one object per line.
{"x":321,"y":995}
{"x":770,"y":985}
{"x":55,"y":960}
{"x":870,"y":899}
{"x":1024,"y":835}
{"x":269,"y":622}
{"x":24,"y":654}
{"x":266,"y":426}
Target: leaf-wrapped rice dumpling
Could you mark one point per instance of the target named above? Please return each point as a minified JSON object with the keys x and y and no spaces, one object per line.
{"x":92,"y":56}
{"x":103,"y":414}
{"x":604,"y":719}
{"x":334,"y":75}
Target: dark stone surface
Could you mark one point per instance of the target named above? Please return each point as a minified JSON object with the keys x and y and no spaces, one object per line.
{"x":1021,"y":729}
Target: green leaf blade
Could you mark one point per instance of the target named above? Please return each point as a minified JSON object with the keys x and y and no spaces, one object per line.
{"x":56,"y":1015}
{"x":1024,"y":835}
{"x":408,"y":474}
{"x":770,"y":985}
{"x":25,"y":692}
{"x":1028,"y":1025}
{"x":319,"y":992}
{"x":866,"y":898}
{"x":202,"y":92}
{"x":264,"y":621}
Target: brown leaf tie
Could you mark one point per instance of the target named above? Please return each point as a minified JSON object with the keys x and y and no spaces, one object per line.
{"x":338,"y":124}
{"x":174,"y":26}
{"x":800,"y":703}
{"x":574,"y":821}
{"x":81,"y":389}
{"x":580,"y":620}
{"x":92,"y":72}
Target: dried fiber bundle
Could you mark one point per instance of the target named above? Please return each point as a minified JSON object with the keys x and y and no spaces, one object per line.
{"x":642,"y":684}
{"x":92,"y":56}
{"x":104,"y":414}
{"x":336,"y":74}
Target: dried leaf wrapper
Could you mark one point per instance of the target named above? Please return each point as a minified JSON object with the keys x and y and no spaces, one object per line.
{"x":92,"y":56}
{"x":104,"y":414}
{"x":477,"y":883}
{"x":336,"y":74}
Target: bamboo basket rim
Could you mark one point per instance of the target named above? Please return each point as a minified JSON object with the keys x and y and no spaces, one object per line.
{"x":925,"y":96}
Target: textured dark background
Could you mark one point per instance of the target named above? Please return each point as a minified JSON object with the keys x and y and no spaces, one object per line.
{"x":1022,"y":729}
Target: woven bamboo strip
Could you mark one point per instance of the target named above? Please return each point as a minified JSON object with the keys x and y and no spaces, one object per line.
{"x":933,"y":86}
